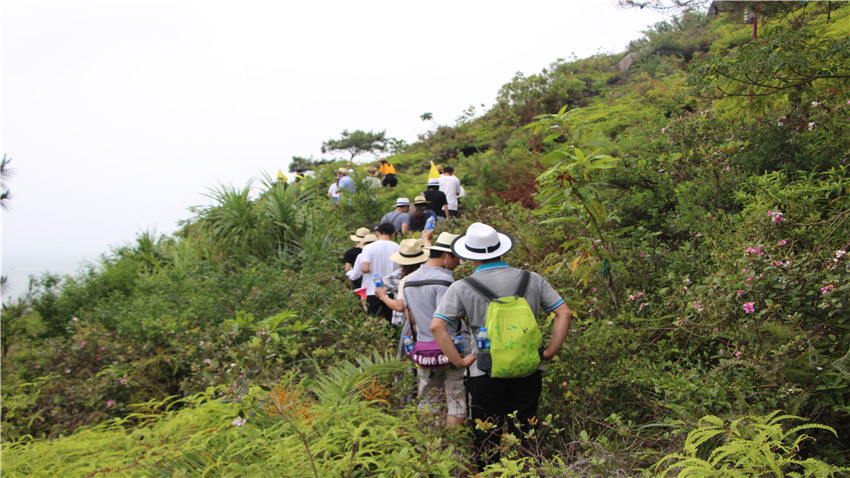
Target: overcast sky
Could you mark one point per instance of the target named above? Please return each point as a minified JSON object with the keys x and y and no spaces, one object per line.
{"x":119,"y":114}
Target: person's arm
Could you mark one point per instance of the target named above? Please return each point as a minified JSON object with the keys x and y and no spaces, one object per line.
{"x":405,"y":226}
{"x":365,"y":267}
{"x":394,"y":304}
{"x":560,"y":327}
{"x":440,"y":330}
{"x":446,"y":209}
{"x":348,"y":266}
{"x":426,"y":237}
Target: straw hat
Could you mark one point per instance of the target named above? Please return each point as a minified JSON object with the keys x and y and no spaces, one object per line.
{"x":370,"y":238}
{"x":420,"y":199}
{"x":359,"y":234}
{"x":342,"y":171}
{"x":410,"y":251}
{"x":481,"y":242}
{"x":444,"y":242}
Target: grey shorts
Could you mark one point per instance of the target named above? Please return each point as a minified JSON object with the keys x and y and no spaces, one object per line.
{"x":444,"y":386}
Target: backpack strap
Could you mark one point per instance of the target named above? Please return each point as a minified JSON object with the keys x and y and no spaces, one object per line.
{"x":523,"y":284}
{"x":481,"y":289}
{"x":420,"y":283}
{"x":488,"y":294}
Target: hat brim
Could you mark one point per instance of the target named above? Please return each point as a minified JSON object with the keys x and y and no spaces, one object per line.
{"x":460,"y":248}
{"x":356,"y":239}
{"x":407,"y":261}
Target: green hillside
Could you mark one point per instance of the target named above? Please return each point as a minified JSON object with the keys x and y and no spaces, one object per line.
{"x":693,"y":209}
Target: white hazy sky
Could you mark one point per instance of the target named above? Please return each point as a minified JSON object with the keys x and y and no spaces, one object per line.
{"x":119,"y":114}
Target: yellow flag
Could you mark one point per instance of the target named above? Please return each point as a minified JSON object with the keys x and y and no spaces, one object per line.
{"x":434,"y":173}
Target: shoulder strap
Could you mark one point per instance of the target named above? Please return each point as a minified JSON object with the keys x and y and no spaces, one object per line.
{"x":488,"y":294}
{"x":523,"y":284}
{"x":481,"y":289}
{"x":421,"y":283}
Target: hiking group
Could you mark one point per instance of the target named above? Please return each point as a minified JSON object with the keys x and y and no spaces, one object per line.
{"x":474,"y":343}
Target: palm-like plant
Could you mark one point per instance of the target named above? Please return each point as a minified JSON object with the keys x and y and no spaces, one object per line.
{"x":235,"y":225}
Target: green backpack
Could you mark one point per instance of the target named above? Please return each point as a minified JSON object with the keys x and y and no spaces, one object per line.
{"x":515,"y":339}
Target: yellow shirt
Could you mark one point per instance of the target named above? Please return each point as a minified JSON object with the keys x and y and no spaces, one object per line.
{"x":387,"y":168}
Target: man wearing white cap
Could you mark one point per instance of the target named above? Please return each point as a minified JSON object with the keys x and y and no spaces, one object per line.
{"x":437,"y":199}
{"x":399,"y":217}
{"x":494,"y":398}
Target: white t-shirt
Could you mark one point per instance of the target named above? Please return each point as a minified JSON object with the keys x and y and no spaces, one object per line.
{"x":377,"y":254}
{"x":450,"y":185}
{"x":333,"y":190}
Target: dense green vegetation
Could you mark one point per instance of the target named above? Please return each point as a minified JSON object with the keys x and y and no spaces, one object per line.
{"x":693,"y":210}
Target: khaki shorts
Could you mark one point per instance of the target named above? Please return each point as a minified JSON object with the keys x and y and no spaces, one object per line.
{"x":444,"y":386}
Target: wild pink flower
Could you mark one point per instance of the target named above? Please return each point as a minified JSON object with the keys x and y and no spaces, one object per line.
{"x":97,"y":358}
{"x":122,"y":381}
{"x":239,"y":422}
{"x":776,"y":216}
{"x":110,"y":403}
{"x":737,"y":354}
{"x":740,"y":292}
{"x":782,"y":243}
{"x":826,"y":289}
{"x":82,"y":345}
{"x":750,"y":278}
{"x":594,"y":290}
{"x":207,"y":361}
{"x":755,"y":250}
{"x":102,"y":349}
{"x":749,"y":307}
{"x":67,"y":370}
{"x":74,"y":319}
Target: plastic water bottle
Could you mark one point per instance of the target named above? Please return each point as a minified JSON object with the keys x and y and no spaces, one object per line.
{"x":408,"y":343}
{"x":459,"y":344}
{"x":483,"y":340}
{"x":377,"y":280}
{"x":430,"y":223}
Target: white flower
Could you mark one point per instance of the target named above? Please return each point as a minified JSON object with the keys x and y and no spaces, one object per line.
{"x":811,"y":125}
{"x":239,"y":422}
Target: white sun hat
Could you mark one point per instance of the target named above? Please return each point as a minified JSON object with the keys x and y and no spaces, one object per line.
{"x":481,"y":242}
{"x":444,"y":242}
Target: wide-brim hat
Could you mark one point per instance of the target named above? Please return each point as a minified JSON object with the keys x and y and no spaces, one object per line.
{"x":444,"y":242}
{"x":410,"y":251}
{"x":359,"y":234}
{"x":481,"y":242}
{"x":420,"y":200}
{"x":402,"y":202}
{"x":342,"y":170}
{"x":434,"y":182}
{"x":370,"y":238}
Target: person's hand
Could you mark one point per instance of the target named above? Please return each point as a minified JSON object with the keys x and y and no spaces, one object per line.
{"x":467,"y":361}
{"x":427,"y":236}
{"x":380,"y":292}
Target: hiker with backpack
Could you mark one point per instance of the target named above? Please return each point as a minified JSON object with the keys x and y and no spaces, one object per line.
{"x":505,"y":300}
{"x":399,"y":217}
{"x":439,"y":381}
